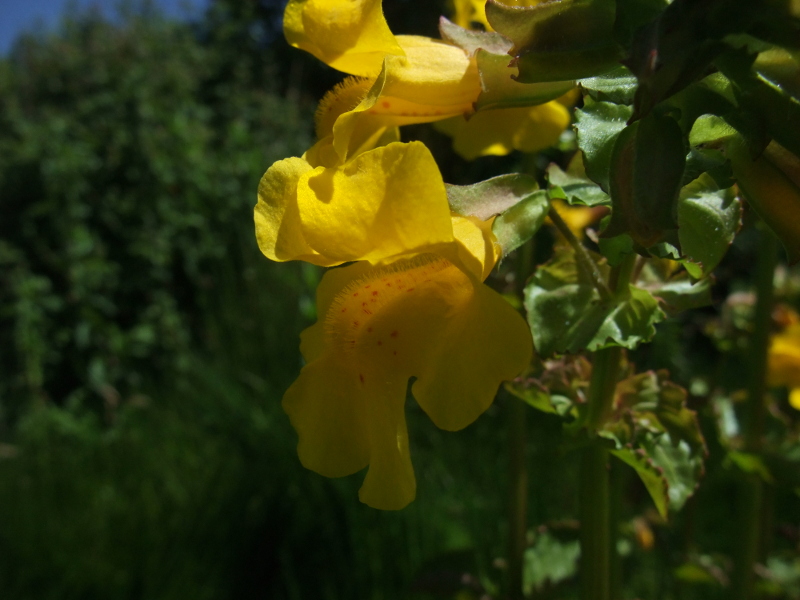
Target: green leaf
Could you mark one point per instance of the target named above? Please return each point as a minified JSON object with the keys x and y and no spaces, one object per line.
{"x":519,"y":223}
{"x":647,"y":166}
{"x":652,"y":421}
{"x":750,"y":463}
{"x":471,"y":41}
{"x":707,"y":160}
{"x":549,"y":561}
{"x":598,"y":126}
{"x":676,"y":49}
{"x":617,"y":86}
{"x":500,"y":90}
{"x":556,"y":41}
{"x":681,"y":293}
{"x":633,"y":14}
{"x":566,"y":314}
{"x":575,"y":189}
{"x":492,"y":196}
{"x":763,"y":101}
{"x":616,"y":248}
{"x":556,"y":386}
{"x":708,"y":219}
{"x":651,"y":476}
{"x":682,"y":467}
{"x":533,"y":394}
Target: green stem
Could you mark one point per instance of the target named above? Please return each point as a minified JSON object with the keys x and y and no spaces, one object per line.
{"x":518,"y":474}
{"x":596,"y":540}
{"x":518,"y":497}
{"x":582,"y":256}
{"x":596,"y":535}
{"x":751,"y":492}
{"x":595,"y":520}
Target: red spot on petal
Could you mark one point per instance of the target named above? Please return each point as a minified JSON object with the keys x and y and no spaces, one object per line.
{"x":410,"y":290}
{"x":395,"y":352}
{"x":380,"y":343}
{"x":366,"y":287}
{"x":375,"y":293}
{"x":355,"y":323}
{"x":344,"y":309}
{"x":369,"y":329}
{"x":394,"y":334}
{"x":386,"y":104}
{"x":361,"y":377}
{"x":356,"y":294}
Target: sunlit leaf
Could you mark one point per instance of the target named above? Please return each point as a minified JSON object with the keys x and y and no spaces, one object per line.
{"x":471,"y":40}
{"x":708,"y":220}
{"x":575,"y":189}
{"x":519,"y":223}
{"x":566,"y":314}
{"x":617,"y":86}
{"x":598,"y":125}
{"x":555,"y":41}
{"x":499,"y":90}
{"x":492,"y":196}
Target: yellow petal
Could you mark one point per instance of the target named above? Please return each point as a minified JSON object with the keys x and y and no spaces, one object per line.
{"x":794,"y":398}
{"x":468,"y":13}
{"x":349,"y":35}
{"x":498,"y":132}
{"x":328,"y":413}
{"x":477,"y":250}
{"x":420,"y":316}
{"x":385,"y":202}
{"x":276,"y":214}
{"x":783,"y":366}
{"x":483,"y":344}
{"x":435,"y":81}
{"x":577,"y":218}
{"x":390,"y":483}
{"x":312,"y":342}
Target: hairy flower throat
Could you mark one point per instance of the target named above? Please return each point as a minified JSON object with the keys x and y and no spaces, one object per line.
{"x":371,"y":314}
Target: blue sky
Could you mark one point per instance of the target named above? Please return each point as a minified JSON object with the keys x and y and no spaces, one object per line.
{"x":17,"y":16}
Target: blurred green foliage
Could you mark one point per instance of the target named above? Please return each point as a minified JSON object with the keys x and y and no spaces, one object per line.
{"x":145,"y":344}
{"x":129,"y":156}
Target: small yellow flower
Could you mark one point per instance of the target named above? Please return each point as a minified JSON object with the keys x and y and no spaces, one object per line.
{"x":425,"y":315}
{"x":784,"y":363}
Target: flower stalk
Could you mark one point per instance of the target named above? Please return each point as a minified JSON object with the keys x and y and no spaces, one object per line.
{"x":582,"y":256}
{"x":751,"y":492}
{"x":518,"y":473}
{"x":594,"y":494}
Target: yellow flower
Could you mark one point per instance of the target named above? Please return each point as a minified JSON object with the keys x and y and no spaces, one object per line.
{"x":424,"y":315}
{"x":372,"y":207}
{"x":577,"y":218}
{"x":410,"y":79}
{"x":784,"y":362}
